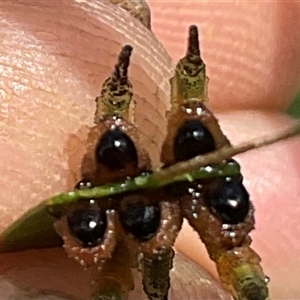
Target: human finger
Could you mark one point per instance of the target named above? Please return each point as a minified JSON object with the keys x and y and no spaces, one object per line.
{"x":252,"y":50}
{"x":50,"y":275}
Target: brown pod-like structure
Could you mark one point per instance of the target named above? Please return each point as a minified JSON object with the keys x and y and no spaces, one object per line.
{"x":135,"y":230}
{"x":91,"y":230}
{"x":218,"y":209}
{"x":152,"y":221}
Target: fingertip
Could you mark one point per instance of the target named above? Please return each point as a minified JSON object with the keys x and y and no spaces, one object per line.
{"x":51,"y":275}
{"x":52,"y":70}
{"x":252,"y":50}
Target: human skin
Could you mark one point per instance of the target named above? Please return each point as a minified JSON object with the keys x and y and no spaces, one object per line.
{"x":54,"y":58}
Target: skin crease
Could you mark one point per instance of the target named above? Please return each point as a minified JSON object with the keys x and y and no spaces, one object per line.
{"x":54,"y":58}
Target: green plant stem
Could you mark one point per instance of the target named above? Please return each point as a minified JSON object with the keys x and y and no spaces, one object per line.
{"x":200,"y":167}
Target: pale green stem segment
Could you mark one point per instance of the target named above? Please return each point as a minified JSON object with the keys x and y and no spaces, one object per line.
{"x":200,"y":167}
{"x":30,"y":230}
{"x":156,"y":180}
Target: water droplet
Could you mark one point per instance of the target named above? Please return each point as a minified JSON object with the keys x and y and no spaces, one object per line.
{"x":232,"y":234}
{"x":199,"y":186}
{"x":190,"y":190}
{"x":195,"y":215}
{"x":140,"y":180}
{"x":208,"y":169}
{"x":267,"y":279}
{"x":199,"y":110}
{"x":82,"y":262}
{"x":112,"y":190}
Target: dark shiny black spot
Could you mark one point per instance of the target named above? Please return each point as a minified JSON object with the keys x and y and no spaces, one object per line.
{"x":192,"y":139}
{"x":141,"y":221}
{"x":88,"y":225}
{"x":230,"y":201}
{"x":115,"y":150}
{"x":178,"y":189}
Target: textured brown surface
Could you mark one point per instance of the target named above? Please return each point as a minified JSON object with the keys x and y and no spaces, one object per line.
{"x":94,"y":256}
{"x":66,"y":70}
{"x":155,"y":274}
{"x":239,"y":274}
{"x":190,"y":111}
{"x":99,"y":173}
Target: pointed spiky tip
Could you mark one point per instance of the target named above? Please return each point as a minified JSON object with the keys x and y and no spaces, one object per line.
{"x":125,"y":53}
{"x":193,"y":43}
{"x":124,"y":60}
{"x":116,"y":92}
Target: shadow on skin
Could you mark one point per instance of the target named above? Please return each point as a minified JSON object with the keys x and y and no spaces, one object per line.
{"x":51,"y":276}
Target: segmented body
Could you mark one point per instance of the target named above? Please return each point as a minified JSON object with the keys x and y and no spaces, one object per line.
{"x":219,"y":209}
{"x":113,"y":235}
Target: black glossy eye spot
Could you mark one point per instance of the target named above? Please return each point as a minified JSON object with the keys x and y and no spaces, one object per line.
{"x":115,"y":150}
{"x":192,"y":139}
{"x":230,"y":201}
{"x":88,"y":225}
{"x":140,"y":220}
